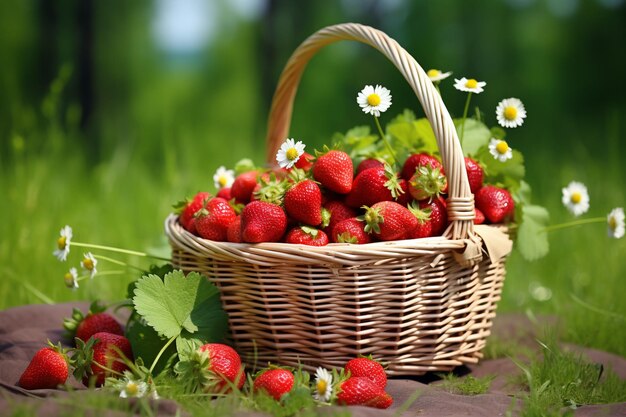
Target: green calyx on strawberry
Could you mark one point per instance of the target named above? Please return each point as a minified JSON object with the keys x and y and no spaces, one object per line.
{"x":427,"y":183}
{"x":270,"y":190}
{"x":306,"y":235}
{"x":186,"y":209}
{"x":275,"y":382}
{"x":415,"y":161}
{"x":102,"y":356}
{"x":388,"y":220}
{"x":212,"y":368}
{"x":351,"y":230}
{"x":83,"y":326}
{"x":393,"y":183}
{"x":48,"y":368}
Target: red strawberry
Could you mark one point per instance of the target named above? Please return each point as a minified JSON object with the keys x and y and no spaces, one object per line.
{"x":496,"y":203}
{"x":480,"y":217}
{"x":373,"y":185}
{"x":47,"y":369}
{"x":305,"y":161}
{"x":85,"y":326}
{"x":187,"y":209}
{"x":338,"y":212}
{"x":405,"y":198}
{"x":224,"y":193}
{"x":368,"y":163}
{"x":233,"y":233}
{"x":213,"y":220}
{"x":307,"y":236}
{"x":303,"y":202}
{"x":263,"y":222}
{"x":427,"y":183}
{"x":416,"y":160}
{"x":224,"y":367}
{"x":368,"y":368}
{"x":351,"y":231}
{"x":105,"y":348}
{"x":363,"y":391}
{"x":475,"y":174}
{"x":275,"y":382}
{"x":388,"y":220}
{"x":242,"y":187}
{"x":334,"y":170}
{"x":432,"y":218}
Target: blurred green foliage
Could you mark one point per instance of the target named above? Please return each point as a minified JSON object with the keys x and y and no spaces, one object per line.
{"x":103,"y":128}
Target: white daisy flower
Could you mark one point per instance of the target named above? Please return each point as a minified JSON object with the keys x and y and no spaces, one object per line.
{"x":470,"y":86}
{"x":89,"y":263}
{"x":223,"y":177}
{"x":615,"y":221}
{"x":510,"y":112}
{"x":289,"y":153}
{"x":71,"y":279}
{"x":576,"y":198}
{"x":323,"y":385}
{"x":63,"y":244}
{"x":436,"y":75}
{"x":135,"y":389}
{"x":374,"y":100}
{"x":500,"y":150}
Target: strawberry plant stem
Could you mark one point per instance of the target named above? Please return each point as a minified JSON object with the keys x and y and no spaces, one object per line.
{"x":158,"y":356}
{"x":465,"y":110}
{"x":119,"y":250}
{"x":574,"y":223}
{"x":384,"y":138}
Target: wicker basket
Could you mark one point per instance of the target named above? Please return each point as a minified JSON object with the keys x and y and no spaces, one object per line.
{"x":417,"y":305}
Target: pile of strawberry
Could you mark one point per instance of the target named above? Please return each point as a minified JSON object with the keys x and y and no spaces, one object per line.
{"x":323,"y":200}
{"x":102,"y":354}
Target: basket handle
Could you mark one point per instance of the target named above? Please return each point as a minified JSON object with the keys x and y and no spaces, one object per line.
{"x":460,"y":201}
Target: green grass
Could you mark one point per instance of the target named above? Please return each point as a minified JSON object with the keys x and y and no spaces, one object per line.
{"x":467,"y":385}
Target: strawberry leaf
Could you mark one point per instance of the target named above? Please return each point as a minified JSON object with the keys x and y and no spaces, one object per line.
{"x":532,"y":238}
{"x":180,"y":306}
{"x":411,"y":134}
{"x":475,"y":135}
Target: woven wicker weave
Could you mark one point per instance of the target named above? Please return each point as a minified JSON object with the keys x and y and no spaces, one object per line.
{"x":417,"y":305}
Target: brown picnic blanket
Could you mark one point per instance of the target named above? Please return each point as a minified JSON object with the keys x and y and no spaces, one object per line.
{"x":25,"y":329}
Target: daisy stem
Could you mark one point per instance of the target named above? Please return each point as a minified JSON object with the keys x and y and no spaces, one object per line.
{"x":119,"y":250}
{"x":158,"y":356}
{"x":467,"y":103}
{"x":384,"y":138}
{"x":115,"y":272}
{"x":116,"y":262}
{"x":574,"y":223}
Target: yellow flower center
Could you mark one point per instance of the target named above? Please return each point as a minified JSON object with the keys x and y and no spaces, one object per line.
{"x":69,"y":280}
{"x":471,"y":83}
{"x":373,"y":99}
{"x":613,"y":223}
{"x":510,"y":113}
{"x":433,"y":73}
{"x":61,"y":242}
{"x":502,"y":147}
{"x":88,"y":264}
{"x":576,"y":197}
{"x":291,"y":154}
{"x":132,"y":388}
{"x":222,"y":180}
{"x":321,"y":387}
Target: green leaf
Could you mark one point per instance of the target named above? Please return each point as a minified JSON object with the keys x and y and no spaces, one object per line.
{"x":475,"y":135}
{"x":508,"y":173}
{"x":146,"y":342}
{"x":180,"y":303}
{"x":413,"y":135}
{"x":532,"y":238}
